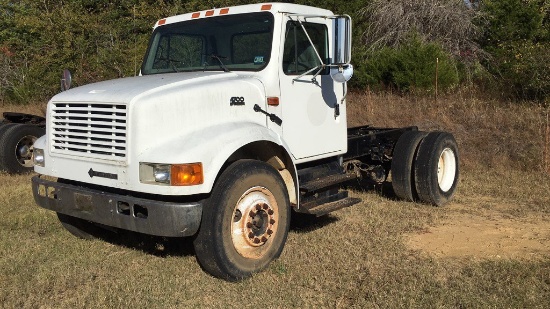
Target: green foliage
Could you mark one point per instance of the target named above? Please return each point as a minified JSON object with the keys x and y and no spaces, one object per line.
{"x":104,"y":39}
{"x":412,"y":67}
{"x":517,"y":39}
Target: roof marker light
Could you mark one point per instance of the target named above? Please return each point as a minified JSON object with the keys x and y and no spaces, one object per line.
{"x":161,"y":22}
{"x":209,"y":13}
{"x":196,"y":15}
{"x":266,"y":7}
{"x":224,"y":11}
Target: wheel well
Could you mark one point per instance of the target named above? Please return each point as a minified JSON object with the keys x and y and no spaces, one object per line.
{"x":25,"y":119}
{"x":274,"y":155}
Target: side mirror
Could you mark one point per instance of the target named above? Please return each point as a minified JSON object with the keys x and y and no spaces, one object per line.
{"x":341,"y":27}
{"x":66,"y":80}
{"x":342,"y":73}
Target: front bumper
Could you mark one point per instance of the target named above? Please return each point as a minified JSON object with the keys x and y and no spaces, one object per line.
{"x":121,"y":211}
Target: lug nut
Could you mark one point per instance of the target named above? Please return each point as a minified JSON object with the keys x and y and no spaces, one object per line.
{"x":258,"y":207}
{"x":271,"y":221}
{"x":249,"y":225}
{"x":269,"y":232}
{"x":252,"y":214}
{"x":264,"y":239}
{"x":266,"y":206}
{"x":256,"y":240}
{"x":270,"y":212}
{"x":250,"y":235}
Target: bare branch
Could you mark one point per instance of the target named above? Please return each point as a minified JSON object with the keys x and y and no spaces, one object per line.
{"x":449,"y":22}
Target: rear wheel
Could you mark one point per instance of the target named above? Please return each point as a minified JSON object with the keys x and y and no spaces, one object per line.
{"x":16,"y":147}
{"x":436,"y":168}
{"x":402,"y":165}
{"x":245,"y":221}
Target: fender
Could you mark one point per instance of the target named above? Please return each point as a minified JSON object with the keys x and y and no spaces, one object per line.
{"x":211,"y":146}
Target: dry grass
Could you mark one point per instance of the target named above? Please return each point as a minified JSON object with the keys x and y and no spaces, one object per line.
{"x":356,"y":257}
{"x":490,"y":134}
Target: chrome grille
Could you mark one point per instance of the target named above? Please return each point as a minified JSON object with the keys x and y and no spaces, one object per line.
{"x":95,"y":130}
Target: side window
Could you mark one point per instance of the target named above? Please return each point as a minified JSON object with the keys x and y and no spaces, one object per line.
{"x":178,"y":51}
{"x":298,"y":55}
{"x":251,"y":48}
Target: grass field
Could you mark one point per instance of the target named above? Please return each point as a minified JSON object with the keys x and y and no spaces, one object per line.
{"x":490,"y":247}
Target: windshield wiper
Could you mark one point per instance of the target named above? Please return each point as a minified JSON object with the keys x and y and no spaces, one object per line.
{"x":219,"y":58}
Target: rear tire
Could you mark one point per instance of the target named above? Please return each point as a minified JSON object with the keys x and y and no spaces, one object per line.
{"x":245,"y":221}
{"x":402,"y":165}
{"x":436,"y":168}
{"x":16,"y":147}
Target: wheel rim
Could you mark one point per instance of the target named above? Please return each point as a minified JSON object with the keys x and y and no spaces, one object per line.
{"x":255,"y":221}
{"x":24,"y":150}
{"x":446,"y":169}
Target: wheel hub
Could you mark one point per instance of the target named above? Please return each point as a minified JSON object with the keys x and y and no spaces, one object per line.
{"x":24,"y":150}
{"x":446,"y":169}
{"x":254,"y":222}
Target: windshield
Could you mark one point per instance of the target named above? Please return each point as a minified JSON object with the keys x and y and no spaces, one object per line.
{"x":225,"y":43}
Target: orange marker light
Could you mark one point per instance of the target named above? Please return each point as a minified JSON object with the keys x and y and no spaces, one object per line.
{"x":209,"y":13}
{"x":266,"y":7}
{"x":273,"y":101}
{"x":196,"y":15}
{"x":162,"y":22}
{"x":224,"y":11}
{"x":186,"y":174}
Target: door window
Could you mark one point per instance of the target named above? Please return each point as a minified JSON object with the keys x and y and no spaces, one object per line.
{"x":299,"y":55}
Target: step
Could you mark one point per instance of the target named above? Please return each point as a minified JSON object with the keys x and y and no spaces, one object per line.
{"x":325,"y":182}
{"x":324,"y":209}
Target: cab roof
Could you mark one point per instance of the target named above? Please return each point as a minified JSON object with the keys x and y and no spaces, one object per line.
{"x":274,"y":7}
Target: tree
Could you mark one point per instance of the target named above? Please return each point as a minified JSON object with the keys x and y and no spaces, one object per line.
{"x":516,"y":36}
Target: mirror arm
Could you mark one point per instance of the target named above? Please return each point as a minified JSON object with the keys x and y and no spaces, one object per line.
{"x":320,"y":67}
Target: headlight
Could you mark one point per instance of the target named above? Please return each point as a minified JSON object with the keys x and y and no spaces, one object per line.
{"x":171,"y":174}
{"x":38,"y":157}
{"x":162,"y":173}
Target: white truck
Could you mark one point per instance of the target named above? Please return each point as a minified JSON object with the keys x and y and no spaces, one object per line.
{"x":236,"y":121}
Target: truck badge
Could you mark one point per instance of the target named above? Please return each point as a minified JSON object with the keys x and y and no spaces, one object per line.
{"x":236,"y":101}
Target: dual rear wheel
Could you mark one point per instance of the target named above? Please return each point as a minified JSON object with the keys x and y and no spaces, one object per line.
{"x":16,"y":147}
{"x":425,"y":167}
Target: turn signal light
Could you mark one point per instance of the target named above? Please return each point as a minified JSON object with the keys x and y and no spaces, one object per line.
{"x":186,"y":174}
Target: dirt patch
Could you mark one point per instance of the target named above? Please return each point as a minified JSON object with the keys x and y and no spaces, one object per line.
{"x":486,"y":234}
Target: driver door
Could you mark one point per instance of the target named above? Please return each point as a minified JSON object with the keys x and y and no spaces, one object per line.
{"x":312,"y":127}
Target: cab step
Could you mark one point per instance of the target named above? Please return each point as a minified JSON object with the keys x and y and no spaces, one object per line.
{"x":324,"y":209}
{"x":323,"y":205}
{"x":325,"y":182}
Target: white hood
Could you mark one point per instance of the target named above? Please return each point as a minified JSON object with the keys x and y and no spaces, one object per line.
{"x":123,"y":90}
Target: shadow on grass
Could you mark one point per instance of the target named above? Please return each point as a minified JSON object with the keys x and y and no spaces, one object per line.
{"x":304,"y":223}
{"x":154,"y":245}
{"x":172,"y":246}
{"x":384,"y":189}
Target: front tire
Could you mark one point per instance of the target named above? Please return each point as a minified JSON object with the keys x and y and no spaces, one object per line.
{"x":245,"y":222}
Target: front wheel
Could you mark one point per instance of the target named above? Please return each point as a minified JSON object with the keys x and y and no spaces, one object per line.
{"x":245,"y":222}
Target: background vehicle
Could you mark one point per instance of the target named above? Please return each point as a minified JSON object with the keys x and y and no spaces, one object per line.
{"x":237,"y":120}
{"x":18,"y":132}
